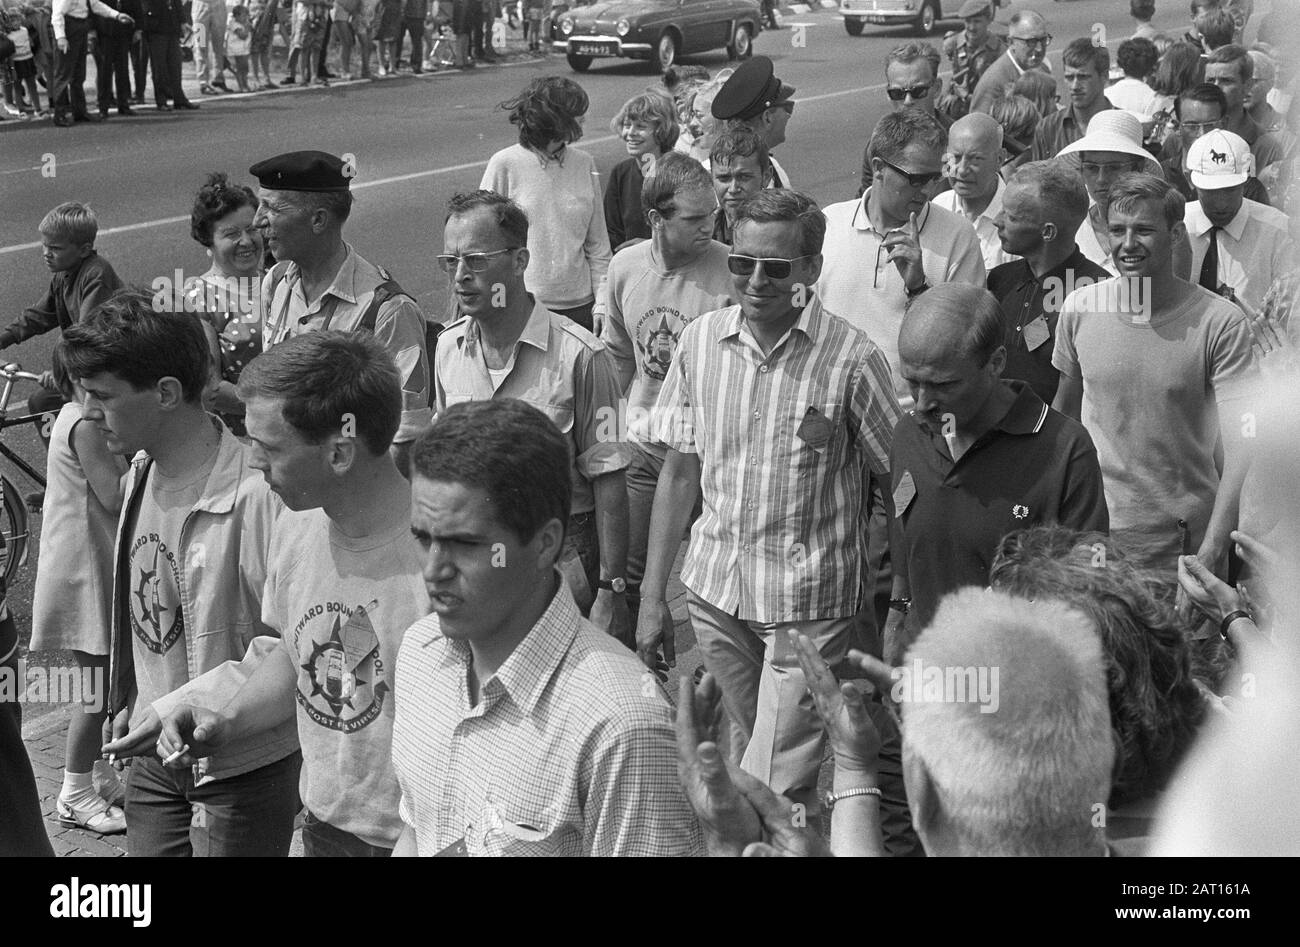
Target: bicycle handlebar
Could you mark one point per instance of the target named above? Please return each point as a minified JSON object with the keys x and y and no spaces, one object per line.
{"x":14,"y":372}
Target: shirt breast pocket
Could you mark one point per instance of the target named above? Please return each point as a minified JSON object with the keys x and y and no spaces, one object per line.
{"x":818,"y":430}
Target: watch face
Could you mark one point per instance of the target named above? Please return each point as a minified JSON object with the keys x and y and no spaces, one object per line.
{"x":618,"y":585}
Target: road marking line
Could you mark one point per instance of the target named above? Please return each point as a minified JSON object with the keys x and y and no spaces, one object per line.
{"x":415,"y":175}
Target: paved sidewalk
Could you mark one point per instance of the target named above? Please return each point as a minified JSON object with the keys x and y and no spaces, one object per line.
{"x":45,"y":737}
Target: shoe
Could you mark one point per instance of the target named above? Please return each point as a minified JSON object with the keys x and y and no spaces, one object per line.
{"x":108,"y":784}
{"x":267,"y":86}
{"x":63,"y":121}
{"x":95,"y":815}
{"x":126,"y":110}
{"x":326,"y":74}
{"x":417,"y":71}
{"x":166,"y":108}
{"x":189,"y":106}
{"x":221,"y":87}
{"x":206,"y":89}
{"x":87,"y":117}
{"x":103,"y":115}
{"x":138,"y":100}
{"x":346,"y":77}
{"x":288,"y":80}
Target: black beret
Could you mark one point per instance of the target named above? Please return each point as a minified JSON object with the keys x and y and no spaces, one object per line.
{"x":302,"y":171}
{"x":752,"y":89}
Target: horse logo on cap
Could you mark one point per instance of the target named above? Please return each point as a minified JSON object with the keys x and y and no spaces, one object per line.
{"x":1218,"y":157}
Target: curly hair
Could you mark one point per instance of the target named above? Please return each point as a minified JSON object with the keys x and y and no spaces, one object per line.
{"x":656,"y":109}
{"x":548,"y":110}
{"x":1180,"y":68}
{"x":1155,"y":705}
{"x":217,"y":198}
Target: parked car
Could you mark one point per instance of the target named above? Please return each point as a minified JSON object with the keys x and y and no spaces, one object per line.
{"x":924,"y":15}
{"x":655,"y":30}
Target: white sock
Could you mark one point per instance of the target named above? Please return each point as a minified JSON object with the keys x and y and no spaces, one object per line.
{"x":76,"y":784}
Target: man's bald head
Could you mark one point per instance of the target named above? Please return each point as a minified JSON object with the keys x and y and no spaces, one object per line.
{"x":951,"y":321}
{"x":973,"y":157}
{"x":977,"y":128}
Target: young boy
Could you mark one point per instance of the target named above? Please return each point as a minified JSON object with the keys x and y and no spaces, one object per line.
{"x":82,"y":280}
{"x":189,"y":567}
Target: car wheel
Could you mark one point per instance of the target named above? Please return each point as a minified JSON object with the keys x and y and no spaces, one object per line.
{"x":925,"y":20}
{"x":742,"y":45}
{"x":854,"y":27}
{"x":666,"y":52}
{"x":578,"y":63}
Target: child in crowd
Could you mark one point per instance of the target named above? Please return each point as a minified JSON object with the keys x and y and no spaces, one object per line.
{"x":262,"y":16}
{"x":82,"y":280}
{"x":390,"y":28}
{"x":533,"y":23}
{"x":72,"y":606}
{"x":239,"y":35}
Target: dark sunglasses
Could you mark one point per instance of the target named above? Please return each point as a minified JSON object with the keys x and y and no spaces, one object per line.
{"x":773,"y":267}
{"x":916,"y":92}
{"x":918,"y":180}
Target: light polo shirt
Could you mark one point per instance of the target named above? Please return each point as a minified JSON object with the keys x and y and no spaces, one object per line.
{"x":560,"y":369}
{"x":399,"y":325}
{"x":861,"y":284}
{"x":567,"y":752}
{"x":985,"y":230}
{"x":785,"y":442}
{"x":1255,"y":248}
{"x":1035,"y":466}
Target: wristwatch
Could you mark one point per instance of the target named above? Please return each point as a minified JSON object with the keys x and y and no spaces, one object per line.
{"x":614,"y":585}
{"x":903,"y":605}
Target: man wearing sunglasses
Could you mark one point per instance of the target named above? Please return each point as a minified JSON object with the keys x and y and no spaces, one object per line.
{"x":912,"y":79}
{"x":754,"y":96}
{"x":774,"y":410}
{"x":1028,"y":41}
{"x":509,"y":345}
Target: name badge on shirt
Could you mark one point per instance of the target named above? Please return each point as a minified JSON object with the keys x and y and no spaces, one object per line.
{"x":1036,"y":333}
{"x":456,"y":849}
{"x":815,"y":429}
{"x":904,"y":493}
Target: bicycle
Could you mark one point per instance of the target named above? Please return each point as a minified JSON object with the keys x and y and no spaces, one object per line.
{"x":14,"y":522}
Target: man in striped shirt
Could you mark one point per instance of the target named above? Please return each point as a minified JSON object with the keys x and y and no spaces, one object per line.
{"x":776,"y":409}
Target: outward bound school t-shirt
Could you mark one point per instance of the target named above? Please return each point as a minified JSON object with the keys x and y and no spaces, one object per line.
{"x":1151,"y":391}
{"x":155,"y":563}
{"x":341,"y":605}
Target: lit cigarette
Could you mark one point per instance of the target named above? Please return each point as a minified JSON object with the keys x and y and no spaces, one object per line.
{"x":185,"y":748}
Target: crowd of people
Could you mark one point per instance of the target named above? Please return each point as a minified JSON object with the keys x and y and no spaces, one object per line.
{"x":984,"y":477}
{"x":45,"y":44}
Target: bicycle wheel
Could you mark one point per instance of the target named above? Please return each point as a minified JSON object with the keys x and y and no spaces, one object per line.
{"x":13,"y":530}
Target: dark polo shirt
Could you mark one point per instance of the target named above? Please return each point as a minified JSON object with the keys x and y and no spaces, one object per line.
{"x":1030,"y":308}
{"x":1057,"y":130}
{"x":1033,"y":467}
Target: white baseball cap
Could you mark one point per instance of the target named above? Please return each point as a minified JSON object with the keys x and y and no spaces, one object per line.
{"x":1219,"y":159}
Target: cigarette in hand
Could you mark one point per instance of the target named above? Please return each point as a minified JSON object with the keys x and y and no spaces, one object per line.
{"x":185,"y":748}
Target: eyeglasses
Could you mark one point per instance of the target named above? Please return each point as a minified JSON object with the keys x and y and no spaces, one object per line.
{"x":474,"y":262}
{"x":917,"y":180}
{"x":1199,"y":128}
{"x":773,"y":267}
{"x":1043,"y":41}
{"x":1114,"y":167}
{"x":916,"y":92}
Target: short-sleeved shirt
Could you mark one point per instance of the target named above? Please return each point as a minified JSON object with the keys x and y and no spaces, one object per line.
{"x":399,"y":325}
{"x":567,"y":751}
{"x":785,"y":441}
{"x":1034,"y":466}
{"x":860,"y":283}
{"x":1030,"y":307}
{"x":648,"y":307}
{"x":986,"y":230}
{"x":1255,"y":248}
{"x":1054,"y":132}
{"x":560,"y":369}
{"x":1150,"y":390}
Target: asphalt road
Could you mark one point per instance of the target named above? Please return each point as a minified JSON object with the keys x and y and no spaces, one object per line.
{"x":417,"y":141}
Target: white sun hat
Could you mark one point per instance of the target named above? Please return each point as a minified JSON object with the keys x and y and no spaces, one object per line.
{"x":1113,"y":130}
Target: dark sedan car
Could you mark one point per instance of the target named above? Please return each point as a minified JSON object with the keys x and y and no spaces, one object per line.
{"x":655,"y":30}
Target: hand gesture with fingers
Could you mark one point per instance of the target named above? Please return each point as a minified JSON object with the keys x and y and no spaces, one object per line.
{"x":728,"y":820}
{"x":189,"y":734}
{"x":138,"y":741}
{"x":852,"y":735}
{"x":904,"y":246}
{"x":787,"y":836}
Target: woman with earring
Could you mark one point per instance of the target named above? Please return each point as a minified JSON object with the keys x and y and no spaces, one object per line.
{"x":227,"y":295}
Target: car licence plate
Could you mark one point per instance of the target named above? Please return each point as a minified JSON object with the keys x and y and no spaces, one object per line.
{"x":876,"y":18}
{"x":595,"y":49}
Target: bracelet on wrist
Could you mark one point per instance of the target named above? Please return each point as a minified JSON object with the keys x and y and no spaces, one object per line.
{"x":834,"y":797}
{"x":1229,"y":618}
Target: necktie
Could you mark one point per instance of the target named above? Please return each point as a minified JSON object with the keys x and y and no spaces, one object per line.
{"x":1210,"y":265}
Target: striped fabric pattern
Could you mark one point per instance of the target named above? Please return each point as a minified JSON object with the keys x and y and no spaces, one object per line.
{"x":779,"y":540}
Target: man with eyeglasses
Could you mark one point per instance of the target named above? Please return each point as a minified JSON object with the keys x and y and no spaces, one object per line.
{"x":774,"y":410}
{"x":755,"y":97}
{"x":972,"y":162}
{"x":1086,"y":69}
{"x":1198,"y":111}
{"x":655,"y":290}
{"x":973,"y":50}
{"x":1028,"y":41}
{"x":507,"y":344}
{"x":1233,"y":71}
{"x":320,"y":282}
